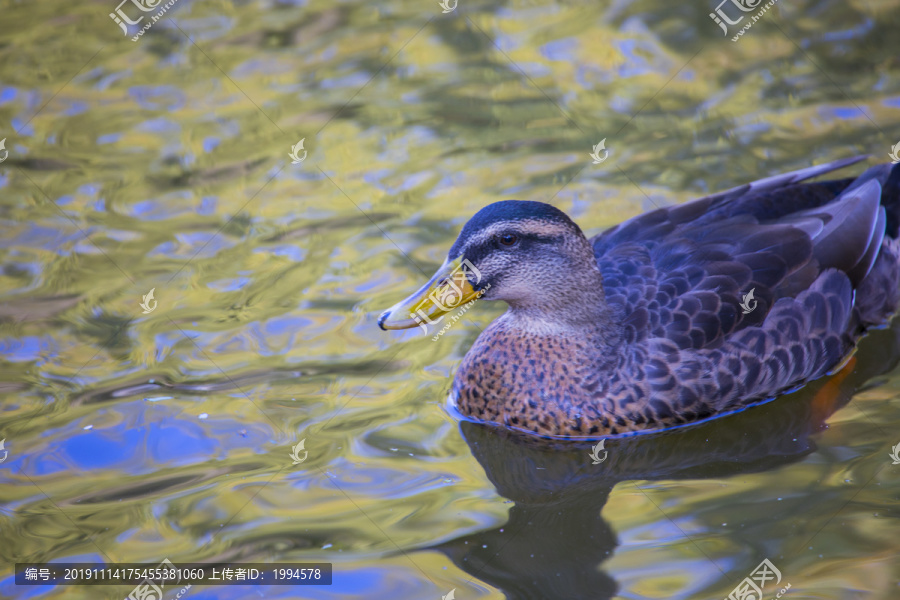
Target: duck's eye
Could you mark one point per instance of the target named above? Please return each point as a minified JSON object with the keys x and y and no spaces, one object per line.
{"x":508,"y":239}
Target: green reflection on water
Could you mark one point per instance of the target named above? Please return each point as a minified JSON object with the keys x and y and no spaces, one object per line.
{"x":171,"y":155}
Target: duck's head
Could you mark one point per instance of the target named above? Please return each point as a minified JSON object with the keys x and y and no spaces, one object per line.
{"x":529,"y":254}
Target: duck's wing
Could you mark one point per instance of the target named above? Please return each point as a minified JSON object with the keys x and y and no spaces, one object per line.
{"x":682,"y":272}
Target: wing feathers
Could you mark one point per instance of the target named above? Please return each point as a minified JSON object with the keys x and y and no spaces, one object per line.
{"x":849,"y":226}
{"x":683,"y":273}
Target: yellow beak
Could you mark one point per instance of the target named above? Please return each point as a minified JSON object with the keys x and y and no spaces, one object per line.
{"x":448,"y":289}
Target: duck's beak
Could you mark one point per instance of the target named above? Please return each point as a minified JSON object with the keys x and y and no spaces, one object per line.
{"x":448,"y":288}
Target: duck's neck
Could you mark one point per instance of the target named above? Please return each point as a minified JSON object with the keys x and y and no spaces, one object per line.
{"x":578,"y":309}
{"x":537,"y":370}
{"x":596,"y":331}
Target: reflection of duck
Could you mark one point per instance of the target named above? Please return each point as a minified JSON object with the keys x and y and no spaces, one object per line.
{"x":555,"y":536}
{"x":640,"y":327}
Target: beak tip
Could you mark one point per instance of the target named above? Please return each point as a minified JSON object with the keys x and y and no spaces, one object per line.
{"x":382,"y":319}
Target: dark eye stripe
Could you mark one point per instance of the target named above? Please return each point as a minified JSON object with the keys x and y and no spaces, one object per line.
{"x":478,"y":252}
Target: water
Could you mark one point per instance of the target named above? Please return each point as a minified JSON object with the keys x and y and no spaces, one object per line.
{"x":163,"y":164}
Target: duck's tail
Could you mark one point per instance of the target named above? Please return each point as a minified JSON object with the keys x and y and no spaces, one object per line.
{"x":878,"y":294}
{"x":890,"y":199}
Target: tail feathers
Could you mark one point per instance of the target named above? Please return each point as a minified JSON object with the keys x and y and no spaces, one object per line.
{"x":891,"y":200}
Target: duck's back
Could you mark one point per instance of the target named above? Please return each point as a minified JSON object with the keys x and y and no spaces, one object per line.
{"x":683,"y":272}
{"x":736,"y":297}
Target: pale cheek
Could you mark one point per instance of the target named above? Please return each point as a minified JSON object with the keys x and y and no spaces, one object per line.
{"x":522,"y":291}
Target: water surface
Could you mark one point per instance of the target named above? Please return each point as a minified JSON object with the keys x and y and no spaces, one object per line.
{"x":163,"y":164}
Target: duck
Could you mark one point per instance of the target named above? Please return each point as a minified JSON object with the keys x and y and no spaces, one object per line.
{"x":674,"y":317}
